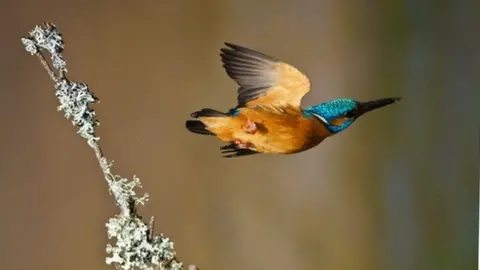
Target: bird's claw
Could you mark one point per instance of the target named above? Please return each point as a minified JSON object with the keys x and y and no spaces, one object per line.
{"x":250,"y":127}
{"x":241,"y":144}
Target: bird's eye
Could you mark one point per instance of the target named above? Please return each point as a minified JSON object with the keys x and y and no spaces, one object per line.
{"x":350,"y":114}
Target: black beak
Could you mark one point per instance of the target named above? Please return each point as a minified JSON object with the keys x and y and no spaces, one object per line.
{"x":364,"y":107}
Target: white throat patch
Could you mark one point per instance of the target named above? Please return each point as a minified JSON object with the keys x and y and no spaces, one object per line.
{"x":321,"y":118}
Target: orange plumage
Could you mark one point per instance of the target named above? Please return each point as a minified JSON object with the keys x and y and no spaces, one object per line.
{"x":269,"y":99}
{"x":268,"y":117}
{"x":279,"y":131}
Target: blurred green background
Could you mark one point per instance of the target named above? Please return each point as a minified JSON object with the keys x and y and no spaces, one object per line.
{"x":397,"y":190}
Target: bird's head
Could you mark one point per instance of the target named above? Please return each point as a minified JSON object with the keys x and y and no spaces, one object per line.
{"x":338,"y":114}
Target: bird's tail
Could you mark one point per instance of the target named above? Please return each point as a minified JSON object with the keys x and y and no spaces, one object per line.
{"x":197,"y":126}
{"x":209,"y":120}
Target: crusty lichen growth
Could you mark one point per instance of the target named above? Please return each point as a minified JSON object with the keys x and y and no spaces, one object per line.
{"x":135,"y":245}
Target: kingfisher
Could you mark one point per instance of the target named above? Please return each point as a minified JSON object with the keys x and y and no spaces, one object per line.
{"x":268,"y":117}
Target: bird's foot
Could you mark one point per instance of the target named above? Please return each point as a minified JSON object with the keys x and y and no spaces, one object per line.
{"x":250,"y":127}
{"x":241,"y":144}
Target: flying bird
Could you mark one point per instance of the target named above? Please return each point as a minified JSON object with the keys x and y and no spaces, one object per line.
{"x":268,"y":117}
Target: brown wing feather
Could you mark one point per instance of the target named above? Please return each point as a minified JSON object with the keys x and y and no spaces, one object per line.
{"x":262,"y":78}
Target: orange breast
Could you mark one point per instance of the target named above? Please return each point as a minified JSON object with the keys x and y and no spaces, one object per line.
{"x":278,"y":132}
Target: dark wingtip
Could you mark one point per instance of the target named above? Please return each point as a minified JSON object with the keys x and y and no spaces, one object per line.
{"x":229,"y":44}
{"x":229,"y":48}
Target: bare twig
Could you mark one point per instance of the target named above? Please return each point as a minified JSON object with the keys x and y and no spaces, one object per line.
{"x":136,"y":245}
{"x":151,"y":228}
{"x":46,"y":66}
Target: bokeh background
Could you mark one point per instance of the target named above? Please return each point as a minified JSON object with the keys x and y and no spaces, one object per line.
{"x":397,"y":190}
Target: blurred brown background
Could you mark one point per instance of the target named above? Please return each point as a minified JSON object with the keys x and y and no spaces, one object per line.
{"x":397,"y":190}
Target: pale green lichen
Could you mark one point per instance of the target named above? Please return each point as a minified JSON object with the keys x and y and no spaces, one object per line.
{"x":47,"y":37}
{"x":75,"y":100}
{"x":133,"y":249}
{"x":135,"y":246}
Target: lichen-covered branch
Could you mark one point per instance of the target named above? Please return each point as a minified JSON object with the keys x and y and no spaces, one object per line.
{"x":135,"y":243}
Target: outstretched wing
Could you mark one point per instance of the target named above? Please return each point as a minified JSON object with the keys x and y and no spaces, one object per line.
{"x":262,"y":78}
